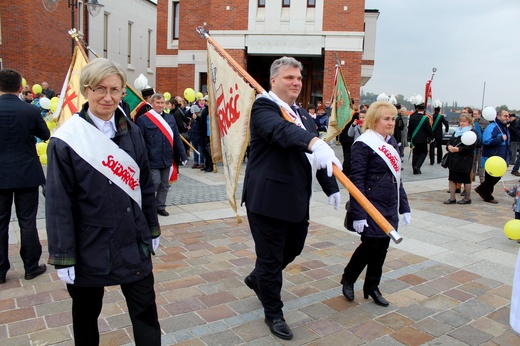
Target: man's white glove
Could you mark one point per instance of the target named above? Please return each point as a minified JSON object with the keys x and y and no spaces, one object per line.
{"x":67,"y":275}
{"x":407,"y":218}
{"x":359,"y":225}
{"x":335,"y":199}
{"x":324,"y":156}
{"x":155,"y":243}
{"x":184,"y":162}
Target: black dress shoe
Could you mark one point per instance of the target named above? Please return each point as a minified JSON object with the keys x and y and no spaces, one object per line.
{"x":464,"y":201}
{"x":450,"y":201}
{"x":348,"y":291}
{"x":252,"y":285}
{"x":279,"y":328}
{"x":163,"y":212}
{"x":376,"y":295}
{"x":2,"y":280}
{"x":42,"y":268}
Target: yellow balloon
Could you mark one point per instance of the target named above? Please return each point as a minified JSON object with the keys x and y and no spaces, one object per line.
{"x":512,"y":229}
{"x":189,"y":94}
{"x":51,"y":125}
{"x":200,"y":95}
{"x":495,"y":166}
{"x":55,"y":100}
{"x":41,"y":148}
{"x":37,"y":88}
{"x":24,"y":82}
{"x":43,"y":159}
{"x":167,"y":96}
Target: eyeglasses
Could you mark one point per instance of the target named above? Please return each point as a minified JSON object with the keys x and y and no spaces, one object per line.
{"x":102,"y":91}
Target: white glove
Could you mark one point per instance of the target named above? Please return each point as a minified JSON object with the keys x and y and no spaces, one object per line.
{"x":359,"y":225}
{"x":324,"y":156}
{"x":184,"y":162}
{"x":67,"y":275}
{"x":155,"y":243}
{"x":407,"y":218}
{"x":335,"y":199}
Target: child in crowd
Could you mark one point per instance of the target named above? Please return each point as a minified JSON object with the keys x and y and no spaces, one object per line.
{"x":515,"y":193}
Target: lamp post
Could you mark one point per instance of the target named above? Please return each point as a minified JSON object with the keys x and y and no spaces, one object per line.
{"x":93,"y":8}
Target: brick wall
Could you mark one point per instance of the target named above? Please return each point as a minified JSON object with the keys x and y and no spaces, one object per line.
{"x":36,"y":42}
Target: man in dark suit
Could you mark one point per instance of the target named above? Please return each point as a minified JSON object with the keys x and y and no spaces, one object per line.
{"x":439,"y":120}
{"x":21,"y":173}
{"x":419,"y":131}
{"x":278,"y":185}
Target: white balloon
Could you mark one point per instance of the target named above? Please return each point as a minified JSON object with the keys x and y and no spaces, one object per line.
{"x":489,"y":113}
{"x":468,"y":138}
{"x":45,"y":103}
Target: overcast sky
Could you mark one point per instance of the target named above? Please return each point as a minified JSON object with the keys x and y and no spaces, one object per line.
{"x":469,"y":42}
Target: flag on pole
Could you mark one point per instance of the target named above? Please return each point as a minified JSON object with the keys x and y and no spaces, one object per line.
{"x":428,"y":97}
{"x":71,"y":99}
{"x":341,"y":107}
{"x":133,"y":99}
{"x":231,"y":99}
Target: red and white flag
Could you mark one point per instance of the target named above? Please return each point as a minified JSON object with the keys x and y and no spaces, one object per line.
{"x":231,"y":99}
{"x":71,"y":99}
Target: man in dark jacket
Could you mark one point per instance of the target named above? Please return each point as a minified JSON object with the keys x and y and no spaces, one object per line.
{"x":438,"y":121}
{"x":419,"y":132}
{"x":100,"y":209}
{"x":21,"y":173}
{"x":162,"y":148}
{"x":495,"y":142}
{"x":278,"y":185}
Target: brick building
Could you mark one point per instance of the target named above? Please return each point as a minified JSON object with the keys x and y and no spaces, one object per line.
{"x":255,"y":32}
{"x":36,"y":42}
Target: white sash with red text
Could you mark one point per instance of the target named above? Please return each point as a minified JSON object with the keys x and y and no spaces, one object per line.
{"x":102,"y":154}
{"x":167,"y":131}
{"x":387,"y":152}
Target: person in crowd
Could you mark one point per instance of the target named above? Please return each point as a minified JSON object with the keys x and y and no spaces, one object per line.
{"x":205,"y":137}
{"x":460,"y":160}
{"x":101,"y":217}
{"x":144,"y":106}
{"x":347,"y":141}
{"x":439,"y":120}
{"x":48,"y":92}
{"x":514,"y":131}
{"x":419,"y":133}
{"x":278,"y":185}
{"x":21,"y":173}
{"x":311,"y":109}
{"x":480,"y":122}
{"x":195,"y":137}
{"x":495,"y":142}
{"x":404,"y":141}
{"x":376,"y":172}
{"x":399,"y":126}
{"x":182,"y":123}
{"x":164,"y":148}
{"x":28,"y":96}
{"x":515,"y":193}
{"x":356,"y":129}
{"x":124,"y":105}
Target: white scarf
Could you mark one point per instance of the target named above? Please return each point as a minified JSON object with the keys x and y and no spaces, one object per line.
{"x":102,"y":154}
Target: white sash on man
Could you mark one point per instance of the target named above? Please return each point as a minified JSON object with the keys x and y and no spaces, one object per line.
{"x":102,"y":154}
{"x":167,"y":131}
{"x":387,"y":152}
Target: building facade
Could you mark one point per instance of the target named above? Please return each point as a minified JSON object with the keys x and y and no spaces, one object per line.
{"x":36,"y":42}
{"x":319,"y":33}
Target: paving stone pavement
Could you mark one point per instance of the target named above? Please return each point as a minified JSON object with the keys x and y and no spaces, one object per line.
{"x":448,"y":282}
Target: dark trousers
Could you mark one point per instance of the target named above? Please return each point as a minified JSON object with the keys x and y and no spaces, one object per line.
{"x":347,"y":149}
{"x":371,"y":253}
{"x":419,"y":153}
{"x":486,"y":188}
{"x":26,"y":205}
{"x":208,"y":165}
{"x":140,"y":299}
{"x":277,"y":243}
{"x":436,"y":144}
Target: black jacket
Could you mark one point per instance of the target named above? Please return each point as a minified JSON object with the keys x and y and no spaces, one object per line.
{"x":437,"y":131}
{"x":20,"y":122}
{"x":94,"y":225}
{"x":278,"y":178}
{"x":425,"y":131}
{"x":461,"y":161}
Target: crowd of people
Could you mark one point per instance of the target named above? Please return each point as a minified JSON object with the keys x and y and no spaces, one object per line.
{"x":106,"y":235}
